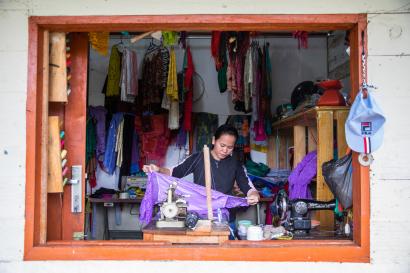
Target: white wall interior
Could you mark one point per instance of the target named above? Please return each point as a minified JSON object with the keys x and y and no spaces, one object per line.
{"x":388,"y":69}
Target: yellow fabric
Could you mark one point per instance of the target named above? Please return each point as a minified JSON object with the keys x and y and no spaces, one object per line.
{"x":99,"y":41}
{"x":259,"y":148}
{"x":114,"y":73}
{"x":169,"y":38}
{"x":172,"y":82}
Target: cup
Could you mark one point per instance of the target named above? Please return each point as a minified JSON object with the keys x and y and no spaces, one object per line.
{"x":254,"y":233}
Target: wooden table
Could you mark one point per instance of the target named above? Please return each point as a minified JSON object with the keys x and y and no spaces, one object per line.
{"x":184,"y":235}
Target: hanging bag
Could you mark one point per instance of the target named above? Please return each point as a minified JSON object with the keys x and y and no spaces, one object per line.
{"x":338,"y":176}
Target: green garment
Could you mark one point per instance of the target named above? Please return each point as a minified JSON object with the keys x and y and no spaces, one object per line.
{"x":114,"y":73}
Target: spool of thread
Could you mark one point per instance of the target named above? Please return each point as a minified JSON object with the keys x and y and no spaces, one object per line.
{"x":124,"y":195}
{"x":62,"y":144}
{"x":62,"y":134}
{"x":63,"y":163}
{"x":63,"y":154}
{"x":65,"y":170}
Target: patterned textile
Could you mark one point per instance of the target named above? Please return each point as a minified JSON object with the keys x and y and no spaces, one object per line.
{"x":242,"y":124}
{"x":205,"y":126}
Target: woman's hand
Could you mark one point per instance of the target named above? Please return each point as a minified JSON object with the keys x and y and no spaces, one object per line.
{"x":150,"y":168}
{"x":252,"y":197}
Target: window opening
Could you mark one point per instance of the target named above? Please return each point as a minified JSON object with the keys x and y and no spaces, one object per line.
{"x":284,"y":156}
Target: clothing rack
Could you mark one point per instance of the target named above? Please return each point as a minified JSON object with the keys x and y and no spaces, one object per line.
{"x":207,"y":35}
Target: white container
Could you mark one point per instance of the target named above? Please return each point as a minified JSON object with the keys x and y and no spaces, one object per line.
{"x":254,"y":233}
{"x":243,"y":228}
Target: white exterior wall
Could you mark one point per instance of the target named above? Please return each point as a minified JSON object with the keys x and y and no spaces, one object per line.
{"x":389,"y":62}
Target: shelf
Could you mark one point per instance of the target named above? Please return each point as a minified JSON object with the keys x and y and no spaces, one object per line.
{"x":307,"y":117}
{"x":312,"y":129}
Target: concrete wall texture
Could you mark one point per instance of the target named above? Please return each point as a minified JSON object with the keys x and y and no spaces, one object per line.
{"x":388,"y":69}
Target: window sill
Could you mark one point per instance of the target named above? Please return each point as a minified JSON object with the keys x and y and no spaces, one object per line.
{"x":275,"y":251}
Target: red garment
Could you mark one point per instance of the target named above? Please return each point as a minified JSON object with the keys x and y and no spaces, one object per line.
{"x":189,"y":72}
{"x":188,"y":111}
{"x":216,"y":39}
{"x":154,"y":143}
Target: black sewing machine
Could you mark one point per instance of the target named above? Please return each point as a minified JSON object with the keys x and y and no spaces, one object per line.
{"x":298,"y":220}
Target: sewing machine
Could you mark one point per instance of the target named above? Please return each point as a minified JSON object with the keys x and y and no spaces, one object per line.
{"x":298,"y":220}
{"x":173,"y":210}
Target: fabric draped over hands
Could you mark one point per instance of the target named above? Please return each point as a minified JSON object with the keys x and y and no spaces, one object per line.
{"x":157,"y":188}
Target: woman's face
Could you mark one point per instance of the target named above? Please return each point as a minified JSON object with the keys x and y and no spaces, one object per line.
{"x":223,"y":146}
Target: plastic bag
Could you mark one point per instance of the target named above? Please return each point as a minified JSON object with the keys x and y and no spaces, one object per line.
{"x":338,"y":176}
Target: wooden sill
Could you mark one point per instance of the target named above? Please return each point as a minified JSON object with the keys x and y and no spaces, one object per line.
{"x":291,"y":251}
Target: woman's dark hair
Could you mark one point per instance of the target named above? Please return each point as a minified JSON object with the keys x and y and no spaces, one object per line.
{"x":226,"y":129}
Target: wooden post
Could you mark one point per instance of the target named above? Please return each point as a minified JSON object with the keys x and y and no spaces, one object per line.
{"x":207,"y":165}
{"x":44,"y":142}
{"x":324,"y":153}
{"x":299,"y":143}
{"x":55,"y":177}
{"x":341,"y":117}
{"x":58,"y":68}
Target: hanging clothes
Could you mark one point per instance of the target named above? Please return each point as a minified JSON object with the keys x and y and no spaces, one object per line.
{"x":169,"y":38}
{"x":135,"y":158}
{"x":98,"y":114}
{"x":172,"y":82}
{"x":204,"y":129}
{"x":153,"y":75}
{"x":114,"y":73}
{"x":129,"y":75}
{"x":242,"y":144}
{"x":188,"y":85}
{"x":268,"y":94}
{"x":127,"y":144}
{"x":110,"y":156}
{"x":99,"y":41}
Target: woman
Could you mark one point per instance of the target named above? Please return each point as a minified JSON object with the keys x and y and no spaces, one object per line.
{"x":225,"y":168}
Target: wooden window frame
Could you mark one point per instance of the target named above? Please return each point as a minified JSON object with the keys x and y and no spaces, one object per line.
{"x":36,"y":247}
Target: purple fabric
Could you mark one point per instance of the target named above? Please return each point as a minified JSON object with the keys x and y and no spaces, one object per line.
{"x":195,"y":195}
{"x":134,"y":154}
{"x":301,"y":176}
{"x":98,"y":113}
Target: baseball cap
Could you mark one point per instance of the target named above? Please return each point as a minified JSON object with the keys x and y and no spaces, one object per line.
{"x":364,"y":124}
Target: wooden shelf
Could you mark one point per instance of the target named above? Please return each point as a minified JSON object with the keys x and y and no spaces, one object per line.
{"x":310,"y":130}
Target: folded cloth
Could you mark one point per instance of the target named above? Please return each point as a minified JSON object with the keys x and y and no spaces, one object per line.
{"x":195,"y":195}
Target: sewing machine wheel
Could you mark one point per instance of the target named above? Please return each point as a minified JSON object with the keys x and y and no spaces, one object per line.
{"x":279,"y":206}
{"x":301,"y":207}
{"x":170,"y":210}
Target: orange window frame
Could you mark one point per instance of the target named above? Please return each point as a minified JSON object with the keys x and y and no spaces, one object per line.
{"x":38,"y":248}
